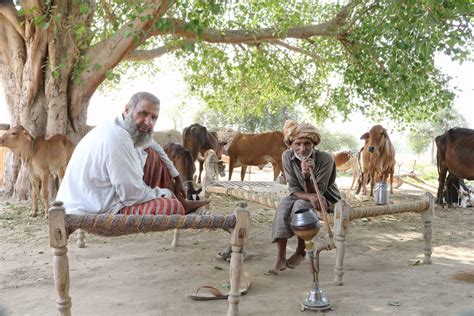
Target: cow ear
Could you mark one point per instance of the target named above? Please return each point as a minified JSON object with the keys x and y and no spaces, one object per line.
{"x":385,"y":133}
{"x":365,"y":136}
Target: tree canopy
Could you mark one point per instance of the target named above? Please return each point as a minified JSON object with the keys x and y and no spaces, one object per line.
{"x":424,"y":133}
{"x":241,"y":57}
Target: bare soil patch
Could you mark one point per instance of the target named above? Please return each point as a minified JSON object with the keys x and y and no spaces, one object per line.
{"x":143,"y":275}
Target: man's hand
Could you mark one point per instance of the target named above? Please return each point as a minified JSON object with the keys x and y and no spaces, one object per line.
{"x":306,"y":165}
{"x":313,"y":199}
{"x":179,"y":187}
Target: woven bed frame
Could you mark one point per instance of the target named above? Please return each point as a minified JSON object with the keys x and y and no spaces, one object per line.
{"x":270,"y":194}
{"x":61,"y":226}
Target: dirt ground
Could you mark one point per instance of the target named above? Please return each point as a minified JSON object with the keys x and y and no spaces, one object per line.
{"x":143,"y":275}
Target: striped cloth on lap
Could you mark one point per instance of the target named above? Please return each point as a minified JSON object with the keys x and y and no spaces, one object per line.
{"x":160,"y":206}
{"x":156,"y":174}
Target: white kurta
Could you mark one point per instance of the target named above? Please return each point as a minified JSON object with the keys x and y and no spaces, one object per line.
{"x":105,"y":172}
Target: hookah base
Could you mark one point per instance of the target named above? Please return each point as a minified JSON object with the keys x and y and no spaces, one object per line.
{"x":316,"y":300}
{"x":315,"y":307}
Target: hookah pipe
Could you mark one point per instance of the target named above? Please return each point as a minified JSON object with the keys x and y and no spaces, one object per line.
{"x":324,"y":213}
{"x":309,"y":244}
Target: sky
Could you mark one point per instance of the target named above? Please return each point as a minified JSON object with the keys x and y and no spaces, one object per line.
{"x":169,"y":86}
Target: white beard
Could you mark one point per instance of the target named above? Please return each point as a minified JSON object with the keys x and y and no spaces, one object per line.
{"x":139,"y":139}
{"x":302,"y":158}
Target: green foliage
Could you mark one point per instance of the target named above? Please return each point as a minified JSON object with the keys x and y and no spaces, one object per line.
{"x":381,"y":62}
{"x":337,"y":141}
{"x":248,"y":123}
{"x":423,"y":134}
{"x":377,"y":59}
{"x":427,"y":172}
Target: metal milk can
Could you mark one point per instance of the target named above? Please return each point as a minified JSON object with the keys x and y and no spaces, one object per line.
{"x":381,"y":193}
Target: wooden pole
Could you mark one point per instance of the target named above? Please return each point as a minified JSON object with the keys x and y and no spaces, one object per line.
{"x":238,"y":240}
{"x":58,"y":237}
{"x":341,"y":225}
{"x":427,"y":218}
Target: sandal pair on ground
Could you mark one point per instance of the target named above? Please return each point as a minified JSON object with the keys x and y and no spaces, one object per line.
{"x":209,"y":293}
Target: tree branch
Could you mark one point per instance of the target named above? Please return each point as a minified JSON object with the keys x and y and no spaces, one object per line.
{"x":299,"y":50}
{"x":109,"y":15}
{"x":139,"y":55}
{"x":107,"y":54}
{"x":11,"y":14}
{"x":255,"y":36}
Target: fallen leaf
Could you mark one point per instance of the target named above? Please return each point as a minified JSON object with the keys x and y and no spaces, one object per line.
{"x":394,"y":303}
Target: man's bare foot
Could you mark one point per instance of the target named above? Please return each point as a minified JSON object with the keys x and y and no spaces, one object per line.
{"x":190,"y":205}
{"x":280,"y":265}
{"x":294,"y":260}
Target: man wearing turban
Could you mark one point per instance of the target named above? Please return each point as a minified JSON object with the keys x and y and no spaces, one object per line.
{"x":297,"y":162}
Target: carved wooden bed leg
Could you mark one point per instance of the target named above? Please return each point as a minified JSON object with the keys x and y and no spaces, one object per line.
{"x":238,"y":239}
{"x":427,"y":218}
{"x":58,"y":241}
{"x":174,"y":242}
{"x":341,"y":222}
{"x":81,"y":238}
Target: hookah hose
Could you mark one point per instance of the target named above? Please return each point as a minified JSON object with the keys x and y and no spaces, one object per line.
{"x":323,"y":210}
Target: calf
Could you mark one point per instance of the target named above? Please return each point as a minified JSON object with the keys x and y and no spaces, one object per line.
{"x":213,"y":168}
{"x":378,"y":156}
{"x":455,"y":153}
{"x":346,"y":160}
{"x":41,"y":157}
{"x":184,"y":163}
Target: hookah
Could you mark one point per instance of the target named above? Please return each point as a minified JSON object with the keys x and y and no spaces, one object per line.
{"x":305,"y":225}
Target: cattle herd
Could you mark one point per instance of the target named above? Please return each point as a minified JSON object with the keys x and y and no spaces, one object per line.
{"x":374,"y":162}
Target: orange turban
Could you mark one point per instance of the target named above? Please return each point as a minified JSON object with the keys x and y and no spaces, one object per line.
{"x":292,"y":130}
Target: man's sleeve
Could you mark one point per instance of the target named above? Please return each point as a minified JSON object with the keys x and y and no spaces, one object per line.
{"x":126,"y":176}
{"x":169,"y":164}
{"x":323,"y":171}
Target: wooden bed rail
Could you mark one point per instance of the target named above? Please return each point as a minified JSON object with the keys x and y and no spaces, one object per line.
{"x":343,"y":213}
{"x":62,"y":225}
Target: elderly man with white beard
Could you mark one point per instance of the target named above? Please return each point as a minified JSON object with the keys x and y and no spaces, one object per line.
{"x":118,"y":168}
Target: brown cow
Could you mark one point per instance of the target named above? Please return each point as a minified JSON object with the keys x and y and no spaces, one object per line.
{"x":41,"y":157}
{"x":256,"y":149}
{"x":198,"y":140}
{"x":456,"y":155}
{"x":378,"y":158}
{"x":346,"y":160}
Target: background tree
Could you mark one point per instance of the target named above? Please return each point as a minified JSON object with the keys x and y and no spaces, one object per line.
{"x":375,"y":56}
{"x":337,"y":141}
{"x":249,"y":122}
{"x":424,"y":133}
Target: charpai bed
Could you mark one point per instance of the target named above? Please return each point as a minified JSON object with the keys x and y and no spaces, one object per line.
{"x":61,"y":226}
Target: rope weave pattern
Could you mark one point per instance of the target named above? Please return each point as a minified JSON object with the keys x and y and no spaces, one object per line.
{"x":371,"y":211}
{"x":265,"y":193}
{"x":117,"y":225}
{"x":270,"y":194}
